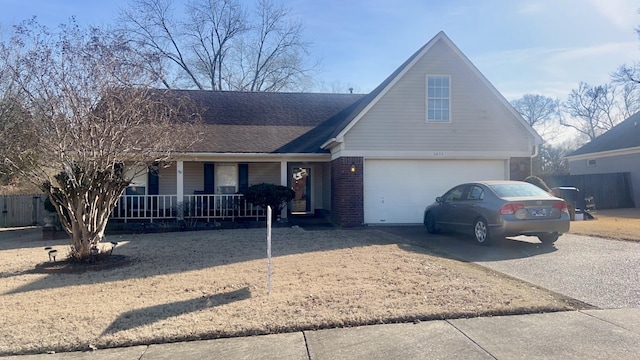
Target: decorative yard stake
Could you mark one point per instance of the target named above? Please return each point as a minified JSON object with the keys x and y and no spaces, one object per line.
{"x":269,"y":250}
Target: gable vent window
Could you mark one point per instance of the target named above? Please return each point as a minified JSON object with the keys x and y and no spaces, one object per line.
{"x":438,"y":98}
{"x":591,"y":162}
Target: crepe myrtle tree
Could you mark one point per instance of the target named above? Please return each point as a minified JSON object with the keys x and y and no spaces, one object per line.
{"x":97,"y":122}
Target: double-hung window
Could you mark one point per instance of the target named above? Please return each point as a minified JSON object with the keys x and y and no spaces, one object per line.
{"x":438,"y":98}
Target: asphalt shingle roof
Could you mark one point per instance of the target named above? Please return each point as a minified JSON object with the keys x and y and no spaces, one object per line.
{"x":266,"y":122}
{"x":622,"y":136}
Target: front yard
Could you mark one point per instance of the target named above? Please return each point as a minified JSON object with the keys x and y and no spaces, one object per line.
{"x":622,"y":224}
{"x":207,"y":284}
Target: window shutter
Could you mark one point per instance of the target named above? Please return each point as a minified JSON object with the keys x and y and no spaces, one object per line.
{"x":243,"y":177}
{"x":153,"y":180}
{"x":209,"y":170}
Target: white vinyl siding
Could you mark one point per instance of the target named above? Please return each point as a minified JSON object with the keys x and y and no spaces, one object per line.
{"x":193,"y":177}
{"x":264,"y":173}
{"x":167,"y":179}
{"x":482,"y":122}
{"x":438,"y":98}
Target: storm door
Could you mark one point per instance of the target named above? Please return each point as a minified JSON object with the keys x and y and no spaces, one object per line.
{"x":301,"y":184}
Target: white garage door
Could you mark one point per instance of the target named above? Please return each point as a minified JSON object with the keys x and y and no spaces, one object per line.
{"x":397,"y":191}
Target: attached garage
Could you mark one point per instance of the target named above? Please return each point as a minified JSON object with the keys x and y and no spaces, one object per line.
{"x":397,"y":191}
{"x":432,"y":124}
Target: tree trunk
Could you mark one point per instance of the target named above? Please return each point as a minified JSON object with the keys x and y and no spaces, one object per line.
{"x":84,"y":215}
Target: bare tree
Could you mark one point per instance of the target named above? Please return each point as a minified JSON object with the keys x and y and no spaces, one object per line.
{"x":217,"y":46}
{"x":629,"y":102}
{"x":275,"y":51}
{"x":152,"y":25}
{"x":541,"y":112}
{"x":11,"y":110}
{"x":629,"y":77}
{"x":628,"y":73}
{"x":551,"y":160}
{"x":97,"y":123}
{"x":591,"y":109}
{"x":213,"y":25}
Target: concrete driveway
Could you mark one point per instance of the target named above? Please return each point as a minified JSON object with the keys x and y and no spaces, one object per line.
{"x":601,"y":272}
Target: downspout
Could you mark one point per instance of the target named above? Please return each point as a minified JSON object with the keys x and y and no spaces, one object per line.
{"x":535,"y":154}
{"x":535,"y":151}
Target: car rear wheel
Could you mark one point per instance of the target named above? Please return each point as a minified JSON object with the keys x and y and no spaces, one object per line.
{"x":549,"y":238}
{"x":430,"y":223}
{"x":481,"y":232}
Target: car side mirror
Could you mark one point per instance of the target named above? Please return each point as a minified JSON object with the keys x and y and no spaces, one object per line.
{"x":439,"y":200}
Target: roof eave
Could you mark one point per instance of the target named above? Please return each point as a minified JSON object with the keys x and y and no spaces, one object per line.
{"x":601,"y":154}
{"x":327,"y":145}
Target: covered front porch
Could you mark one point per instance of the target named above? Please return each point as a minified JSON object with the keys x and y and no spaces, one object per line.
{"x":210,"y":190}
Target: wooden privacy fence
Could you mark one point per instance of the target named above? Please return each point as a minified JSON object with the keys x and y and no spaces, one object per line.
{"x":609,"y":191}
{"x":21,"y":210}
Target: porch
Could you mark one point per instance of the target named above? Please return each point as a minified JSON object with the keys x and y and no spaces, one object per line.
{"x":210,"y":190}
{"x":207,"y":208}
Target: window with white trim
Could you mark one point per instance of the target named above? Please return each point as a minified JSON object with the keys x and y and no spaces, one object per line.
{"x":226,"y":178}
{"x":591,"y":162}
{"x":438,"y":98}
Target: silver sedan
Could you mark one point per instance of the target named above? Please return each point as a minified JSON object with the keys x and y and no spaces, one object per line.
{"x":493,"y":210}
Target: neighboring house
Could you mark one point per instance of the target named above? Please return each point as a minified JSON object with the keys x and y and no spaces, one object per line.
{"x":370,"y":159}
{"x":616,"y":151}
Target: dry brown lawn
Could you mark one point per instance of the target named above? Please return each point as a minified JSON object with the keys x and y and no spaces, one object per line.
{"x":208,"y":284}
{"x":622,"y":224}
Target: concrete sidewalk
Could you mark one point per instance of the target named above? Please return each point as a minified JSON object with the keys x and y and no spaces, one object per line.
{"x":587,"y":334}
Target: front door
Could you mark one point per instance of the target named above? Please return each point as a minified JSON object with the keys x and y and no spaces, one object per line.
{"x":301,"y":184}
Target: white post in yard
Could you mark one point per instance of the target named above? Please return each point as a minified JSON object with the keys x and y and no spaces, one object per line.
{"x":269,"y":250}
{"x":284,"y":178}
{"x":180,"y":187}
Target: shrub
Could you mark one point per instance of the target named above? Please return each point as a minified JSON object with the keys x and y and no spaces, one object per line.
{"x":272,"y":195}
{"x":537,"y":182}
{"x":49,"y":206}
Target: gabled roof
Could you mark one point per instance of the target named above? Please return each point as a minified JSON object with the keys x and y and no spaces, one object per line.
{"x":625,"y":135}
{"x":369,"y":101}
{"x":306,"y":123}
{"x":265,"y":122}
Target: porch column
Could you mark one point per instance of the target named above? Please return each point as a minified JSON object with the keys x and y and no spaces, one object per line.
{"x":283,"y":181}
{"x":179,"y":186}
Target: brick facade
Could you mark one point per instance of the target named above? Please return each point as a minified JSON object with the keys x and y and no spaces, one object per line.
{"x":347,"y":192}
{"x":519,"y":168}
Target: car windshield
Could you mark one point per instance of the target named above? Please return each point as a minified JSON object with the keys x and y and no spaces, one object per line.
{"x":518,"y":190}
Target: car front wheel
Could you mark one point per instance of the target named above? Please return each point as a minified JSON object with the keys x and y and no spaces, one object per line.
{"x":430,"y":223}
{"x":548,"y":238}
{"x":481,"y":232}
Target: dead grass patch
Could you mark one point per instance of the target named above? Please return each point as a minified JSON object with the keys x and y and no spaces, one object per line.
{"x":622,"y":224}
{"x":197,"y":285}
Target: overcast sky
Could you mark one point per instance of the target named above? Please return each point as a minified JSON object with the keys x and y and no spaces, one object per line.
{"x":538,"y":46}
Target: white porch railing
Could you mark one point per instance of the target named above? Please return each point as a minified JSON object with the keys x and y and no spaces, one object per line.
{"x":165,"y":207}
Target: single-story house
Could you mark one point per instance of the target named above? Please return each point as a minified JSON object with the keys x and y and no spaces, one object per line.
{"x":615,"y":151}
{"x":370,"y":159}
